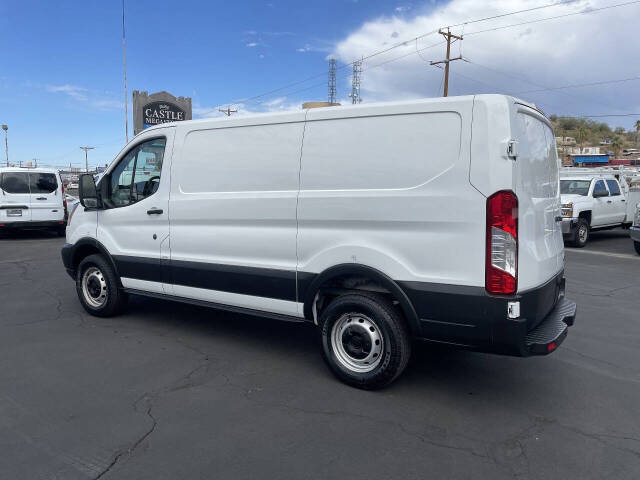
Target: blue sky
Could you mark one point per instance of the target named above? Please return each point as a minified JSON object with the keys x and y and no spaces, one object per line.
{"x":61,"y":62}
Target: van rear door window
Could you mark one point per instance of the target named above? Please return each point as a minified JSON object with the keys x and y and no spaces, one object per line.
{"x":42,"y":182}
{"x":15,"y":182}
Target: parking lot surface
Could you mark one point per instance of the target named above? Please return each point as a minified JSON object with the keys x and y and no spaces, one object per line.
{"x":172,"y":391}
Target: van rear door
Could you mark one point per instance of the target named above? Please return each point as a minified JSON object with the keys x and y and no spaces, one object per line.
{"x":536,"y":182}
{"x":15,"y":201}
{"x":46,"y":197}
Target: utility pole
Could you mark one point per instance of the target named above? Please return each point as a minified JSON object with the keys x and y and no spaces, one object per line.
{"x":6,"y":141}
{"x":448,"y":35}
{"x":124,"y":64}
{"x":228,"y":111}
{"x":86,"y":156}
{"x":332,"y":81}
{"x":355,"y":82}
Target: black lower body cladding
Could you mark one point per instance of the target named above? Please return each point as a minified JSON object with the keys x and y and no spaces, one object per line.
{"x":463,"y":316}
{"x":471,"y":318}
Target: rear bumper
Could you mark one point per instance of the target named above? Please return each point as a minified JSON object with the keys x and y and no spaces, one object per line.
{"x":32,"y":225}
{"x":634,"y":232}
{"x":470,"y":318}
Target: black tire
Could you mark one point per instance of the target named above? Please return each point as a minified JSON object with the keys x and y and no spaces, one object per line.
{"x":636,"y":245}
{"x":104,"y":297}
{"x":61,"y":231}
{"x":579,"y":241}
{"x":356,"y":314}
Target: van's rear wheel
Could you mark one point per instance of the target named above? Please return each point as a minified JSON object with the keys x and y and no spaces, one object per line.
{"x":636,"y":245}
{"x":364,"y":339}
{"x":581,"y":235}
{"x":97,"y":287}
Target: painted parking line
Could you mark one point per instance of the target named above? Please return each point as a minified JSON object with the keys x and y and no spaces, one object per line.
{"x":605,"y":254}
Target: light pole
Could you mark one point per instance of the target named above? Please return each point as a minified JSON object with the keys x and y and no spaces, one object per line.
{"x":86,"y":156}
{"x":6,"y":141}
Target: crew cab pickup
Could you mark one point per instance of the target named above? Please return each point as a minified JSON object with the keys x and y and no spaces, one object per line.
{"x":591,"y":202}
{"x":634,"y":231}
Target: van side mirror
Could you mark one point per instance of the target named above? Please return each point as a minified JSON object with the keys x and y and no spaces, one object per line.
{"x":88,"y":192}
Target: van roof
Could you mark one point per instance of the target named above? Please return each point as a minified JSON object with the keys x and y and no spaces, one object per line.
{"x":275,"y":116}
{"x":28,"y":169}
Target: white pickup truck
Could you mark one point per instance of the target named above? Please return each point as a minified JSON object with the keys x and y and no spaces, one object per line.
{"x":634,"y":231}
{"x":592,"y":201}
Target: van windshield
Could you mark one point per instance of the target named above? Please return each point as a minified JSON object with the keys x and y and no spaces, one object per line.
{"x":575,"y":187}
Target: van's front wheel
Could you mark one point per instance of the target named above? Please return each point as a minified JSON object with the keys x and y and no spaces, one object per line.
{"x":97,"y":287}
{"x":364,"y":340}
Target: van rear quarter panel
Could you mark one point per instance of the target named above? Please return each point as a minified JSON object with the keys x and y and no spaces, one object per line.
{"x":387,"y":187}
{"x":496,"y":120}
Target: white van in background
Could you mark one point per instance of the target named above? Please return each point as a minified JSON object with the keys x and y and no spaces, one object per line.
{"x":31,"y":198}
{"x":436,"y":220}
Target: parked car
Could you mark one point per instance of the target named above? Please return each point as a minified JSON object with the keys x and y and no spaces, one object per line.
{"x":591,"y":202}
{"x":634,"y":231}
{"x":31,"y":198}
{"x":390,"y":222}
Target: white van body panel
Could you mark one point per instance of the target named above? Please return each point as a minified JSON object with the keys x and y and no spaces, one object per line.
{"x":130,"y":231}
{"x":233,"y":199}
{"x":384,"y":186}
{"x":532,"y":174}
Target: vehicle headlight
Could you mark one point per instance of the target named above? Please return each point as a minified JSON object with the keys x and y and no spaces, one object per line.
{"x":567,"y":209}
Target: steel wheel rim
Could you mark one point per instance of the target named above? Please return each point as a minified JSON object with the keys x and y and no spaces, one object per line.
{"x":582,"y":233}
{"x":357,"y":342}
{"x":94,"y":287}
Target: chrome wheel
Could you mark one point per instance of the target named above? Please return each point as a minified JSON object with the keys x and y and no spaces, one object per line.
{"x":583,"y":233}
{"x":94,"y":287}
{"x":357,"y":342}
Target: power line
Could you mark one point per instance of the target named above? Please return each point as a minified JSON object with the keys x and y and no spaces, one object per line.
{"x":580,"y":85}
{"x":583,"y":12}
{"x":406,"y":42}
{"x":526,"y":80}
{"x":493,"y":17}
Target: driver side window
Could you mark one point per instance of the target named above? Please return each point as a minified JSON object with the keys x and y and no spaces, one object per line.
{"x":137,"y":176}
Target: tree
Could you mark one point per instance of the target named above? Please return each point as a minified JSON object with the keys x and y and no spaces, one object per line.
{"x":616,"y":144}
{"x":581,"y":135}
{"x":637,"y":132}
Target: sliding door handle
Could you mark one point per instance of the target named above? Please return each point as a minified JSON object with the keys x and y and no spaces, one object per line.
{"x":155,"y":211}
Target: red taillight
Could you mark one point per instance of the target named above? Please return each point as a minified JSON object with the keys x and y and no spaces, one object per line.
{"x":501,"y":269}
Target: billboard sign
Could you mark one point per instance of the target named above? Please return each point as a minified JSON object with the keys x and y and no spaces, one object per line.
{"x":158,"y":108}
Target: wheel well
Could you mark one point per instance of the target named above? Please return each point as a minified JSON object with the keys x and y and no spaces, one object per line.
{"x":586,"y":215}
{"x":82,"y":252}
{"x":333,"y":284}
{"x":84,"y":248}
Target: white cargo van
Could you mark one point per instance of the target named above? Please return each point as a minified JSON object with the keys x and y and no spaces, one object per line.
{"x":436,"y":220}
{"x":31,"y":198}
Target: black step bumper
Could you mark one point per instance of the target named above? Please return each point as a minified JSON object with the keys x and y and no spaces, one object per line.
{"x":551,"y":332}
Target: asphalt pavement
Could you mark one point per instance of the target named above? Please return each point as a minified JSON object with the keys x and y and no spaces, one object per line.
{"x":172,"y":391}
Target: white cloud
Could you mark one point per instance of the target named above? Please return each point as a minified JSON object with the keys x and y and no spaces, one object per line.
{"x":252,"y":44}
{"x":86,"y":97}
{"x":78,"y":93}
{"x":570,"y":50}
{"x":279,"y":104}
